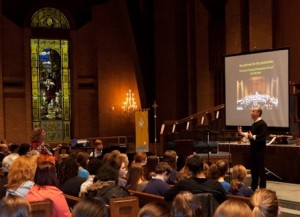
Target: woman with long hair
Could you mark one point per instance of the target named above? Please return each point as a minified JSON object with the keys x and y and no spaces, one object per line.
{"x":46,"y":187}
{"x":21,"y":175}
{"x":136,"y":180}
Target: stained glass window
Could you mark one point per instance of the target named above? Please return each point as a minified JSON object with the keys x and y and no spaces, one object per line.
{"x":50,"y":77}
{"x":49,"y":18}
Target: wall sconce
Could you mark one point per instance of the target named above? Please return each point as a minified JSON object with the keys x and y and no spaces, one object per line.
{"x":129,"y":105}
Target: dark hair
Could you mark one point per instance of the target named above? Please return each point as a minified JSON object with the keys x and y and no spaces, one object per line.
{"x":13,"y":147}
{"x":94,"y":165}
{"x":107,"y":173}
{"x":163,"y":167}
{"x":195,"y":164}
{"x":24,"y":148}
{"x":67,"y":169}
{"x":90,"y":207}
{"x":45,"y":174}
{"x":82,"y":159}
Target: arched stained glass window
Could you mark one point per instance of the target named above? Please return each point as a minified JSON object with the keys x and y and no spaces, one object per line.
{"x":50,"y":77}
{"x":49,"y":18}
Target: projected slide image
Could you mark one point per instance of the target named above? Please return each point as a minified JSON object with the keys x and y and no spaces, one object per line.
{"x":258,"y":79}
{"x":256,"y":86}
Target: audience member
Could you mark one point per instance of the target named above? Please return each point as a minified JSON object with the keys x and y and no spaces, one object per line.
{"x":198,"y":183}
{"x":46,"y":187}
{"x":4,"y":151}
{"x":217,"y":171}
{"x":110,"y":157}
{"x":90,"y":207}
{"x":122,"y":165}
{"x":155,"y":209}
{"x":21,"y":175}
{"x":69,"y":180}
{"x":105,"y":185}
{"x":24,"y":148}
{"x":184,"y":204}
{"x":233,"y":208}
{"x":170,"y":156}
{"x":14,"y":206}
{"x":237,"y":185}
{"x":184,"y":173}
{"x":264,"y":203}
{"x":136,"y":180}
{"x":93,"y":166}
{"x":9,"y":159}
{"x":157,"y":184}
{"x":82,"y":160}
{"x":140,"y":158}
{"x":98,"y":151}
{"x":38,"y":142}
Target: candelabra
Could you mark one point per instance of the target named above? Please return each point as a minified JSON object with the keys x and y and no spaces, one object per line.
{"x":129,"y":105}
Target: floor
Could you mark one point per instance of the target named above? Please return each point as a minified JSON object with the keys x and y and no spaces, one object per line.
{"x":289,"y":197}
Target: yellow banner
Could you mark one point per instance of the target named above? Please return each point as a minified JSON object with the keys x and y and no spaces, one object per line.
{"x":141,"y":131}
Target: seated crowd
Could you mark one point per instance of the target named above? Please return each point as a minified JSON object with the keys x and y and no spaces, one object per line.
{"x":32,"y":175}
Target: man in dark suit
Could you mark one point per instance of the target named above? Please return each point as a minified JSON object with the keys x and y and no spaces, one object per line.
{"x":257,"y":137}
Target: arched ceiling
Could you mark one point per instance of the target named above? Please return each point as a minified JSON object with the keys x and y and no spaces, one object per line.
{"x":78,"y":10}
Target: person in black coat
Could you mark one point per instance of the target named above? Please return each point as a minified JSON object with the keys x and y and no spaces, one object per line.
{"x":198,"y":183}
{"x":257,"y":137}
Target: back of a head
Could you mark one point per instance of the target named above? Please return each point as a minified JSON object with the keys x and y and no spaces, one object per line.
{"x":23,"y":148}
{"x":94,"y":165}
{"x":46,"y":174}
{"x":22,"y":169}
{"x":67,"y":169}
{"x":265,"y":203}
{"x":195,"y":164}
{"x":14,"y":206}
{"x":185,"y":204}
{"x":163,"y":167}
{"x":170,"y":156}
{"x":140,"y":157}
{"x":233,"y":208}
{"x":13,"y":147}
{"x":222,"y":166}
{"x":107,"y":173}
{"x":90,"y":207}
{"x":82,"y":158}
{"x":154,"y":209}
{"x":239,"y":172}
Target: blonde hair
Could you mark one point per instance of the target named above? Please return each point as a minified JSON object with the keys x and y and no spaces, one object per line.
{"x":185,"y":204}
{"x":239,"y":174}
{"x":13,"y":205}
{"x":22,"y":170}
{"x":265,"y":203}
{"x":233,"y":208}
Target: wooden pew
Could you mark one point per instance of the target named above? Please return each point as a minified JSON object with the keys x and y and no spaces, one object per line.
{"x":145,"y":198}
{"x":42,"y":208}
{"x":240,"y":198}
{"x":124,"y":207}
{"x":71,"y":200}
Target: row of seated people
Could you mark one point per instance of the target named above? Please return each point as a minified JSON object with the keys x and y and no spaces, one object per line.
{"x":35,"y":178}
{"x":262,"y":203}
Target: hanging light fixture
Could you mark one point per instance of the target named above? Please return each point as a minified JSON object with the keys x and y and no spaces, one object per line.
{"x":129,"y":105}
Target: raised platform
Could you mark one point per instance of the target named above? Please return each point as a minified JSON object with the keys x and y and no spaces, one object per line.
{"x":283,"y":160}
